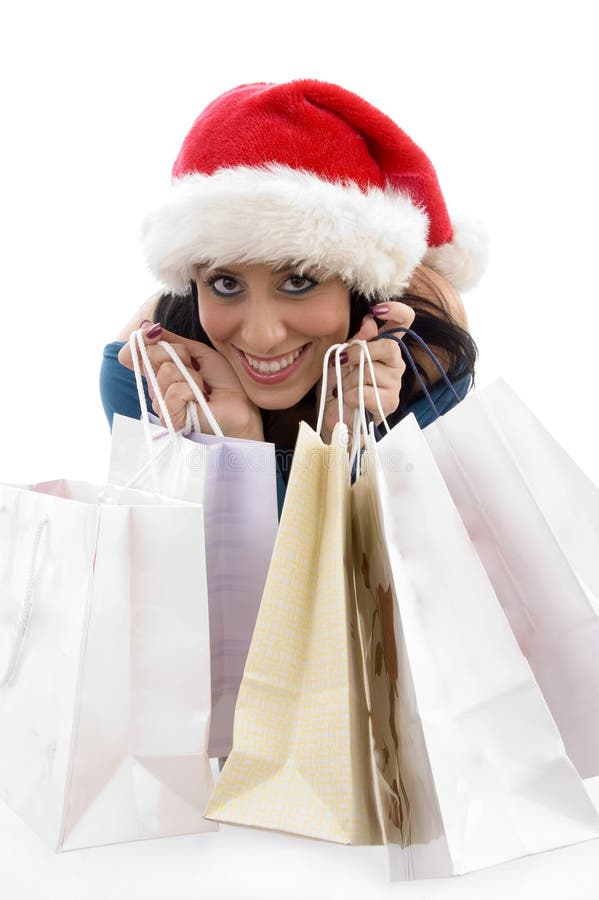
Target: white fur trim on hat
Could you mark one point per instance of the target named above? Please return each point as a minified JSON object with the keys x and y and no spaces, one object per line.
{"x":373,"y":241}
{"x":463,"y":259}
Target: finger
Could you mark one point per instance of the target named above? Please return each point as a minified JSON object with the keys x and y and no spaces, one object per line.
{"x":367,"y":331}
{"x":385,"y":351}
{"x":384,"y":377}
{"x":389,"y":399}
{"x":195,"y":351}
{"x":176,"y":398}
{"x":155,"y":330}
{"x":394,"y":312}
{"x":187,"y":349}
{"x":159,"y":357}
{"x":169,"y":373}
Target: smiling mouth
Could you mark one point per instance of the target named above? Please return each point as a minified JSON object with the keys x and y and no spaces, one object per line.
{"x":273,"y":370}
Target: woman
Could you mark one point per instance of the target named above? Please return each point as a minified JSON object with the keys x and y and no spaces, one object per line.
{"x":298,"y":215}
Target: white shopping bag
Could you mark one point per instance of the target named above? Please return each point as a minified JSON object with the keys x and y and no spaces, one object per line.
{"x":235,"y":480}
{"x":104,"y":663}
{"x":566,"y":496}
{"x":484,"y":774}
{"x":471,"y":769}
{"x":533,"y":517}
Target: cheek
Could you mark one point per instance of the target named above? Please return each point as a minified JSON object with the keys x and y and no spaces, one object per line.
{"x":329,"y":318}
{"x":218,"y":323}
{"x":325,"y":320}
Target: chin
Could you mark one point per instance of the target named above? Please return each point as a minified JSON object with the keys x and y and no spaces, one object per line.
{"x":273,"y":399}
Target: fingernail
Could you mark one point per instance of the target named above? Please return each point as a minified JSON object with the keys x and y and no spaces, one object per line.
{"x":334,"y":393}
{"x":154,"y":331}
{"x":343,"y":359}
{"x":195,"y":364}
{"x":380,"y":309}
{"x":367,"y":318}
{"x":207,"y":389}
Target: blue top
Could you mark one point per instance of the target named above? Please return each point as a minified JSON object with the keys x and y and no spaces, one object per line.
{"x":118,"y":391}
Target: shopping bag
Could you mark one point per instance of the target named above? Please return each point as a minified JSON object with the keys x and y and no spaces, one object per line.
{"x":471,"y":768}
{"x":566,"y":496}
{"x":235,"y":481}
{"x":533,"y":517}
{"x":301,"y":759}
{"x":471,"y":771}
{"x":104,"y":663}
{"x":467,"y":768}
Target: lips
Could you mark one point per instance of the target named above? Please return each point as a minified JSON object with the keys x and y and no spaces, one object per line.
{"x":271,"y":366}
{"x":275,"y":369}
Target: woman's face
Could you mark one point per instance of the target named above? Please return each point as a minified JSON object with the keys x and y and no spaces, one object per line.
{"x":273,"y":326}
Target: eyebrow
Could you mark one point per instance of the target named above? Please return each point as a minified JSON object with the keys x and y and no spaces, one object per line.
{"x":231,"y":270}
{"x":226,"y":270}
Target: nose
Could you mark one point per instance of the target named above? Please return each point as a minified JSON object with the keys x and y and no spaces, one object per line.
{"x":263,"y":331}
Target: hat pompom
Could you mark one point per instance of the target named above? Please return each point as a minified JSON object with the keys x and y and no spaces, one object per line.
{"x":464,"y":258}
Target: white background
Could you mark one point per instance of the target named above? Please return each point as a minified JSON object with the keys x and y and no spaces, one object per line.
{"x":97,"y":97}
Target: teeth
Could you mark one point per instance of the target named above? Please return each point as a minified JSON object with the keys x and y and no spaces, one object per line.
{"x":269,"y":368}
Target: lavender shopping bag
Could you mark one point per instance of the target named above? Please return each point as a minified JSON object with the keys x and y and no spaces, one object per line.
{"x":235,"y":480}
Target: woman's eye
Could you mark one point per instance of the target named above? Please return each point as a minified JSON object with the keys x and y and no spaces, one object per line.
{"x":225,"y":286}
{"x":297,"y":284}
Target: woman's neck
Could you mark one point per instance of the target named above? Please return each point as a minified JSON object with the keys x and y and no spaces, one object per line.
{"x":281,"y":425}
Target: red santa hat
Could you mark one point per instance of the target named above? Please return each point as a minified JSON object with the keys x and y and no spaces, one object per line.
{"x":307,"y":174}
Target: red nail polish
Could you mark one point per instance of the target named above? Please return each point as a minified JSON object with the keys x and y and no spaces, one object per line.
{"x":154,"y":331}
{"x":334,"y":393}
{"x":207,"y":389}
{"x":195,"y":364}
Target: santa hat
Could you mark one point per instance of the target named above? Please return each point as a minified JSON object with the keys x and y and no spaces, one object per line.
{"x":310,"y":175}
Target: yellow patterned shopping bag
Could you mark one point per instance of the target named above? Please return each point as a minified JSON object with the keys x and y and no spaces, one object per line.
{"x":301,"y":760}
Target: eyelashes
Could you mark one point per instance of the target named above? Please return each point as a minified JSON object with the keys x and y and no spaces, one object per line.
{"x":213,"y":281}
{"x":309,"y":283}
{"x":228,"y":286}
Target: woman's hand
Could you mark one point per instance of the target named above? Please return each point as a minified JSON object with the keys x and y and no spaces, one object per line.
{"x":388,"y":365}
{"x":229,"y":404}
